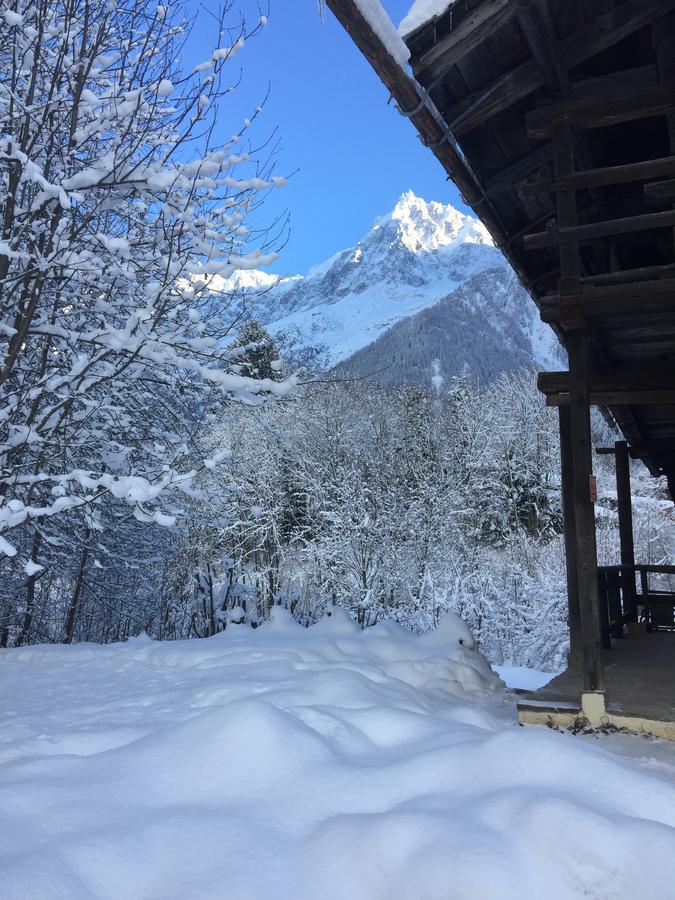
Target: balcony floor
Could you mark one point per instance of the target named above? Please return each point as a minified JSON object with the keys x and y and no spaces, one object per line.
{"x":639,"y":674}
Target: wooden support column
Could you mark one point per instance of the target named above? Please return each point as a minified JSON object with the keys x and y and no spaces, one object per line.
{"x":569,"y":530}
{"x":664,"y":41}
{"x":584,"y":511}
{"x":573,"y":319}
{"x":625,"y":510}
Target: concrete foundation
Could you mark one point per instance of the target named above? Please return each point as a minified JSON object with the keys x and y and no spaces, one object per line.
{"x":639,"y":695}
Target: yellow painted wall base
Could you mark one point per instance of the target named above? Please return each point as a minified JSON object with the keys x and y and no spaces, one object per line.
{"x":593,"y":707}
{"x":569,"y":717}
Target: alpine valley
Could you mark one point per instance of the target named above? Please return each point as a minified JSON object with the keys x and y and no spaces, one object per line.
{"x":424,"y":293}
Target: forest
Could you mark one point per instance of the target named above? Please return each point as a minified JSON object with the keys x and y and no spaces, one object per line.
{"x":162,"y":470}
{"x":393,"y":503}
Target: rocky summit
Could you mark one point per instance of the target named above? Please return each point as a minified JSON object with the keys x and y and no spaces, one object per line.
{"x":425,"y":284}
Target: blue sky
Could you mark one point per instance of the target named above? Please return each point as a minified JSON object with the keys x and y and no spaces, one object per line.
{"x":354,"y":154}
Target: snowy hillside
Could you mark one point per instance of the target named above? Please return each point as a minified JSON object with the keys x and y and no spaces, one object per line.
{"x":323,"y":763}
{"x":484,"y":327}
{"x":410,"y":260}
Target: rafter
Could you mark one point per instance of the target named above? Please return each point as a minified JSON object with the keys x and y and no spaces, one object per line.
{"x":602,"y":109}
{"x":638,"y":299}
{"x":605,"y":31}
{"x":471,"y":31}
{"x":607,"y":175}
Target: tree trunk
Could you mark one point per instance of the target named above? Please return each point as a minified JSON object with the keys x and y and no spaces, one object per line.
{"x":75,"y":600}
{"x":24,"y":635}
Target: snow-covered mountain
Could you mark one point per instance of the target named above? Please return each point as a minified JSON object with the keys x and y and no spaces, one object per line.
{"x":409,"y":261}
{"x":483,"y":328}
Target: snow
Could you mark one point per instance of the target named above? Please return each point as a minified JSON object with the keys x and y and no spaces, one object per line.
{"x":6,"y":548}
{"x":32,"y":568}
{"x":12,"y":18}
{"x":243,"y":278}
{"x":426,"y":226}
{"x":379,"y":21}
{"x":420,"y":12}
{"x":523,"y":679}
{"x":325,"y":762}
{"x":164,"y":88}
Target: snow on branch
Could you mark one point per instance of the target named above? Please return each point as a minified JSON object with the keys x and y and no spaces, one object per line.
{"x":115,"y":195}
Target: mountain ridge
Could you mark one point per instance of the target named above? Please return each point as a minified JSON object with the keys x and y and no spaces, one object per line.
{"x":412,"y":259}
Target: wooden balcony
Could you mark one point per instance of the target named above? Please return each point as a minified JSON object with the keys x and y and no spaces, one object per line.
{"x":637,"y":657}
{"x":639,"y":685}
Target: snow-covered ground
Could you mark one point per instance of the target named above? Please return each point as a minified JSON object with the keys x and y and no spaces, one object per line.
{"x":520,"y":678}
{"x":312,"y":764}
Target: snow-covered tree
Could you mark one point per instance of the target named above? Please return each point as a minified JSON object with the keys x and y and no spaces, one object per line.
{"x":258,"y":355}
{"x":117,"y":208}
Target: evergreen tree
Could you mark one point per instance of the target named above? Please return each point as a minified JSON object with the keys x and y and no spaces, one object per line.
{"x":255,"y":353}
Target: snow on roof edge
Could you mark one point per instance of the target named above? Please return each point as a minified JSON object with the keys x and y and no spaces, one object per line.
{"x":380,"y":21}
{"x":421,"y":12}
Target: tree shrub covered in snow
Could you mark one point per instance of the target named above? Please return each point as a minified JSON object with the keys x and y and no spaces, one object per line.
{"x":392,"y":503}
{"x":118,"y":208}
{"x":135,"y":495}
{"x":120,"y":216}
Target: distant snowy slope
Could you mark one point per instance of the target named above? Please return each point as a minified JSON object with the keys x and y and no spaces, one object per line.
{"x":485,"y":327}
{"x":410,"y":260}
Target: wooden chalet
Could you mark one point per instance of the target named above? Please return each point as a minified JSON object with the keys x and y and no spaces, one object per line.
{"x":556,"y":120}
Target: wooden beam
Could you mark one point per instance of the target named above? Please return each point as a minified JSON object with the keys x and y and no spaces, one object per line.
{"x":626,"y":80}
{"x":584,"y":512}
{"x":566,"y":204}
{"x":577,"y":342}
{"x":535,"y":22}
{"x":605,"y":31}
{"x":621,"y":387}
{"x":611,"y":27}
{"x":625,"y":511}
{"x":479,"y":107}
{"x":620,"y":380}
{"x":520,"y":170}
{"x":622,"y":276}
{"x":614,"y":398}
{"x":638,"y":298}
{"x":656,"y":570}
{"x":660,"y":191}
{"x":569,"y":529}
{"x":602,"y":109}
{"x":594,"y":230}
{"x":607,"y":175}
{"x":538,"y":29}
{"x":487,"y":18}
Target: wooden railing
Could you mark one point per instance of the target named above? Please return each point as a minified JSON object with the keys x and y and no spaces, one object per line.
{"x":620,"y":602}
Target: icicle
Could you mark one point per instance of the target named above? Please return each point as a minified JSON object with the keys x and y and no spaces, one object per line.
{"x":322,"y":9}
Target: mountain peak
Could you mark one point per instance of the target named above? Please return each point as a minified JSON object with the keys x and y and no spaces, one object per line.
{"x":419,"y":253}
{"x":425,"y":226}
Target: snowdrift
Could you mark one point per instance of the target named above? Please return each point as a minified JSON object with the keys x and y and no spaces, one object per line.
{"x":311,"y":763}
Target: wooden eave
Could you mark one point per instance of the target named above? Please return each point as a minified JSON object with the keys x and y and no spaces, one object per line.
{"x":490,"y":82}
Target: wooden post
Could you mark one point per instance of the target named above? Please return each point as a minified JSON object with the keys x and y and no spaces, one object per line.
{"x":569,"y":530}
{"x":572,"y":317}
{"x":625,"y":510}
{"x":663,"y":31}
{"x":584,"y":512}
